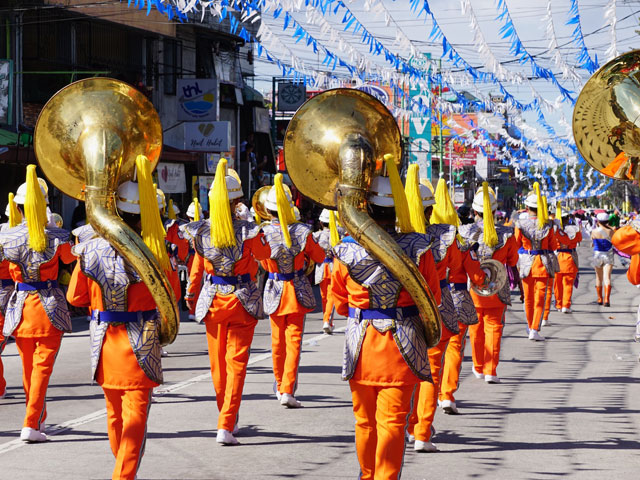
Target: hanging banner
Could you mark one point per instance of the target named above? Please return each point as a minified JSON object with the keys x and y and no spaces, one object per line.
{"x":171,"y":177}
{"x":207,"y":137}
{"x":197,"y":99}
{"x":6,"y":93}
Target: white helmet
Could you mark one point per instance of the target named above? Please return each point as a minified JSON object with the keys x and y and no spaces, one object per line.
{"x":478,"y":202}
{"x":380,"y":192}
{"x":324,"y":216}
{"x":7,"y":211}
{"x":426,"y":195}
{"x":296,"y":214}
{"x":21,"y":193}
{"x":602,"y":217}
{"x":128,"y":197}
{"x":176,"y":209}
{"x":531,"y":201}
{"x":271,"y":203}
{"x":162,"y":202}
{"x":191,"y":211}
{"x":233,"y":187}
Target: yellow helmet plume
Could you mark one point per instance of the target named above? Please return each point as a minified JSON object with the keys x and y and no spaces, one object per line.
{"x":222,"y":233}
{"x":285,"y":212}
{"x":334,"y":236}
{"x":540,"y":214}
{"x":15,"y":217}
{"x":35,"y":210}
{"x":399,"y":197}
{"x":196,"y":214}
{"x":490,"y":236}
{"x":412,"y":190}
{"x":559,"y":213}
{"x":153,"y":233}
{"x":444,"y":211}
{"x":171,"y":214}
{"x":545,"y":209}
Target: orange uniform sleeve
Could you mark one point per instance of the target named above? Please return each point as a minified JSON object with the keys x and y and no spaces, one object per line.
{"x":427,"y":267}
{"x":512,"y":251}
{"x":64,"y":251}
{"x":195,"y":276}
{"x":174,"y":280}
{"x":633,"y":274}
{"x":472,"y":269}
{"x":78,"y":292}
{"x":314,"y":251}
{"x":339,"y":291}
{"x":627,"y":240}
{"x":518,"y":237}
{"x":260,"y":249}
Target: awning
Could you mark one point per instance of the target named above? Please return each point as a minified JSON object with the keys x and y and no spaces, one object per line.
{"x":8,"y":137}
{"x":250,"y":94}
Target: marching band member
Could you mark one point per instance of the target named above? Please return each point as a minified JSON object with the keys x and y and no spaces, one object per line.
{"x":229,"y":303}
{"x":194,"y":214}
{"x":537,"y":264}
{"x":384,"y":338}
{"x":549,"y":217}
{"x":568,"y":237}
{"x":603,"y":257}
{"x":327,"y":238}
{"x":125,"y":353}
{"x":492,"y":241}
{"x":627,"y":240}
{"x":6,"y":283}
{"x":287,"y":294}
{"x":37,"y":314}
{"x":460,"y":266}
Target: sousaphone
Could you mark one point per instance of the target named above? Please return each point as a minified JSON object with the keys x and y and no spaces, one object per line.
{"x":606,"y":118}
{"x":333,"y":148}
{"x":87,"y":138}
{"x":496,"y":278}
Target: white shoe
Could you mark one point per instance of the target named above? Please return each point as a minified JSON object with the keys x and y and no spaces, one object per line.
{"x":32,"y":435}
{"x":546,"y":323}
{"x":492,"y":379}
{"x":477,"y":374}
{"x":410,"y":438}
{"x":327,"y":328}
{"x":534,"y":335}
{"x":275,"y":390}
{"x":225,"y":437}
{"x":566,"y":310}
{"x":164,"y":353}
{"x":449,"y":407}
{"x":421,"y":446}
{"x":289,"y":401}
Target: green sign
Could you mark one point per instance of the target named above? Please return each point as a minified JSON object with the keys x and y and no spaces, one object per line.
{"x":420,"y":121}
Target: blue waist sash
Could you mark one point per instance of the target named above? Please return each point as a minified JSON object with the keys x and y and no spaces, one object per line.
{"x":532,"y":252}
{"x":7,"y":282}
{"x":286,"y":276}
{"x":378,"y":313}
{"x":328,"y":260}
{"x":122,"y":317}
{"x":229,"y":280}
{"x":444,"y":284}
{"x":601,"y":245}
{"x":566,"y":250}
{"x":33,"y":286}
{"x":459,"y":286}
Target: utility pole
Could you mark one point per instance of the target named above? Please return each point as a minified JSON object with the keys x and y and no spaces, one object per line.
{"x":274,"y":131}
{"x":441,"y":148}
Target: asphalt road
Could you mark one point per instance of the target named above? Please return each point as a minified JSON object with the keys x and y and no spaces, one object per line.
{"x":567,"y":407}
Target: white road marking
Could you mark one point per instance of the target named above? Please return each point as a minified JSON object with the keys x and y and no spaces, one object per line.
{"x":76,"y":422}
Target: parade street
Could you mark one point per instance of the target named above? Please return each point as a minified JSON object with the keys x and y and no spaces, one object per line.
{"x":566,"y":407}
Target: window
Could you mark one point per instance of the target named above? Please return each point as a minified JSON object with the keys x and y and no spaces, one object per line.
{"x":172,"y":64}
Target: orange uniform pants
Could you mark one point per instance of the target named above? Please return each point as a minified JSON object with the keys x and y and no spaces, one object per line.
{"x":564,"y":289}
{"x":327,"y":301}
{"x":452,"y":364}
{"x":381,"y":418}
{"x":485,"y":339}
{"x":127,"y":412}
{"x":286,"y":343}
{"x":547,"y":298}
{"x":229,"y":343}
{"x":38,"y":355}
{"x":534,"y":289}
{"x":425,"y":400}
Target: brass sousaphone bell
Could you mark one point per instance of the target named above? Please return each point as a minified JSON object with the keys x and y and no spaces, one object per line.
{"x":497,"y":278}
{"x":333,"y":148}
{"x":606,"y":118}
{"x":87,"y":138}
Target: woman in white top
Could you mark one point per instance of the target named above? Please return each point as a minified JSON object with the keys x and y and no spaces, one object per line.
{"x":603,"y":257}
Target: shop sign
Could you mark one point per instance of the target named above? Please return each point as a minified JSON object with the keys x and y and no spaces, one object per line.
{"x":197,"y":99}
{"x":207,"y":136}
{"x":171,"y":178}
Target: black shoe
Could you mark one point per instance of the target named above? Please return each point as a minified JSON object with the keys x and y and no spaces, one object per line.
{"x":599,"y":302}
{"x":607,"y":304}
